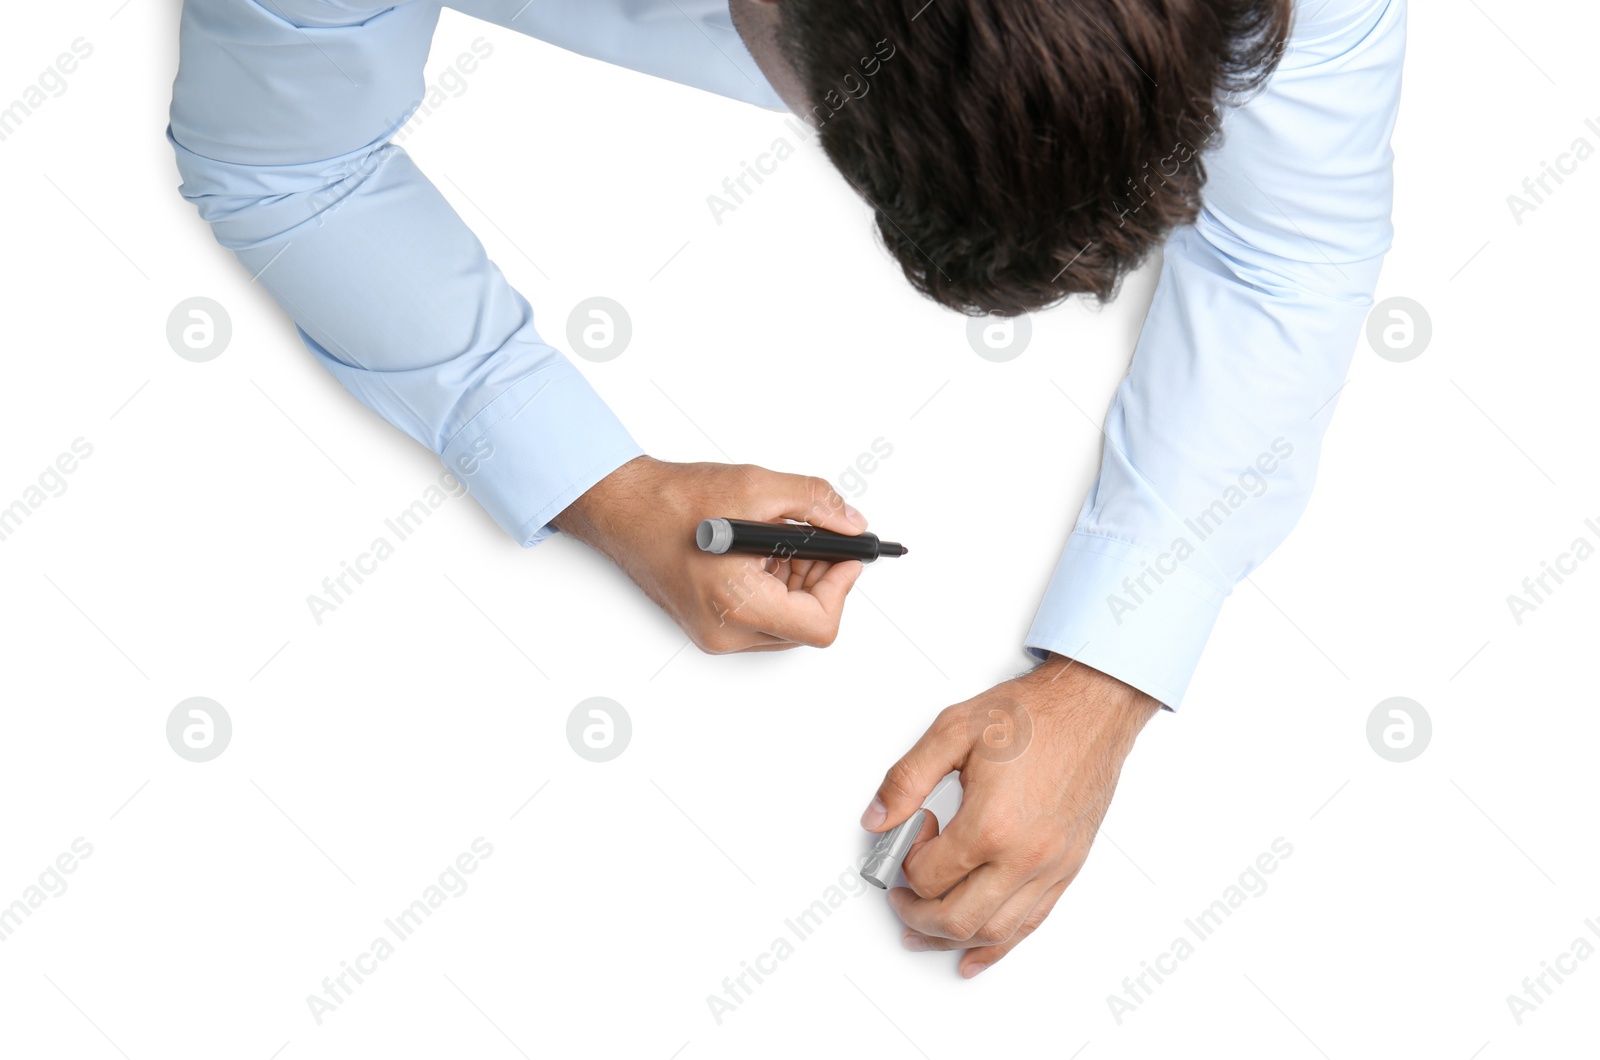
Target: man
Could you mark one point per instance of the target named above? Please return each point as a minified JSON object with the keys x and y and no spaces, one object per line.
{"x":1016,"y":152}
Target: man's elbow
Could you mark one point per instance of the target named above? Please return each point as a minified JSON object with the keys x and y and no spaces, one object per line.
{"x":250,"y":204}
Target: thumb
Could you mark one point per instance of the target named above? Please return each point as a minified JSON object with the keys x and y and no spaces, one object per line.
{"x":941,"y":749}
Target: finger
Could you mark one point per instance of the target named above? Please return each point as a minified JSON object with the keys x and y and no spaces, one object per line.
{"x":808,"y":499}
{"x":964,"y":912}
{"x":801,"y":574}
{"x":804,"y":617}
{"x":1005,"y":923}
{"x":834,"y":584}
{"x":944,"y":860}
{"x":942,"y":748}
{"x":983,"y":956}
{"x":969,"y":840}
{"x":814,"y":574}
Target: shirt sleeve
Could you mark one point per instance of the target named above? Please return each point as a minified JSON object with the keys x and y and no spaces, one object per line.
{"x":281,"y":115}
{"x":692,"y":42}
{"x":1213,"y":439}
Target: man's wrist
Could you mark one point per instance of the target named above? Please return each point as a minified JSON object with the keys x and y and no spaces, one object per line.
{"x":1093,"y":698}
{"x":592,"y":516}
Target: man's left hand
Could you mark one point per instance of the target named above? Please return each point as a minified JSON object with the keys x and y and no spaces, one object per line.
{"x":1039,"y":757}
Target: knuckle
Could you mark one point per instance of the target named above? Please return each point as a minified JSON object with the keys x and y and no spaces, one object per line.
{"x":902,"y":779}
{"x":999,"y":834}
{"x":1031,"y":923}
{"x":960,"y":926}
{"x":822,"y":494}
{"x":1007,"y":927}
{"x":952,"y":719}
{"x":1037,"y":849}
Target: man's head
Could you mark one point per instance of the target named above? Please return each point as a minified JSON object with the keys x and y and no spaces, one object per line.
{"x":1016,"y":151}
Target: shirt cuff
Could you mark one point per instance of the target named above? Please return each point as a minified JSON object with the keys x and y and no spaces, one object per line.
{"x":538,"y":447}
{"x":1138,"y":615}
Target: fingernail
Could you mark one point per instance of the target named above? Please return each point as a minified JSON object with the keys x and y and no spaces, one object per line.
{"x":971,"y":970}
{"x":855,"y":517}
{"x":913,"y":942}
{"x":874,"y":816}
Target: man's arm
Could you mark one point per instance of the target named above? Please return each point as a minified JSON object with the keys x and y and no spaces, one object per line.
{"x":1250,"y":333}
{"x":281,"y":116}
{"x":281,"y":134}
{"x":1212,"y":443}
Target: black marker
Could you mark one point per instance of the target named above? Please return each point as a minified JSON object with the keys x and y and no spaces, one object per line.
{"x":790,"y":541}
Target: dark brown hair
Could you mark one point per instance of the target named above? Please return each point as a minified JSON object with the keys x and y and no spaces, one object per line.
{"x":1017,"y":152}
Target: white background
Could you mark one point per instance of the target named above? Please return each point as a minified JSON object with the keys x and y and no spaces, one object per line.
{"x":370,"y":750}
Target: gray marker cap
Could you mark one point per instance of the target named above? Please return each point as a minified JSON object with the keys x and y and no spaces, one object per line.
{"x":714,"y":535}
{"x":883,"y":864}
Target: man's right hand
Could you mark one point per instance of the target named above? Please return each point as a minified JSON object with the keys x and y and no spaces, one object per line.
{"x":643,"y":517}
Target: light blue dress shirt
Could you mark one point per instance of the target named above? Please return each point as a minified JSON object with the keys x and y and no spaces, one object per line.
{"x":281,"y":118}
